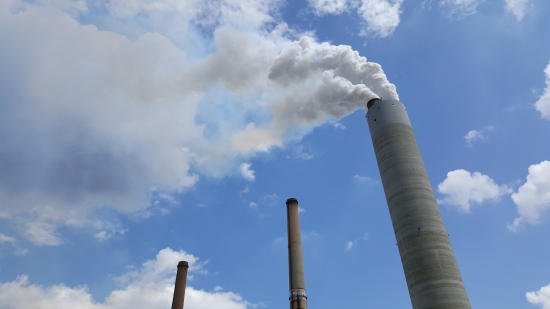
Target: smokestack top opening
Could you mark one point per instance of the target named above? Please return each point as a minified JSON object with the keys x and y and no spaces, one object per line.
{"x":291,"y":201}
{"x":372,"y":102}
{"x":183,"y":264}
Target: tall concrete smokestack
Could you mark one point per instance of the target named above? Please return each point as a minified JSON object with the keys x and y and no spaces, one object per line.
{"x":297,"y":283}
{"x":179,"y":288}
{"x":429,"y":263}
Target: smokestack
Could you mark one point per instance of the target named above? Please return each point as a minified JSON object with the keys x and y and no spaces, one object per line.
{"x":297,"y":283}
{"x":429,"y":263}
{"x":179,"y":288}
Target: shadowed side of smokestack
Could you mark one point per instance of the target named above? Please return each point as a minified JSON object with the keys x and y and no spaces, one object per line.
{"x":179,"y":288}
{"x":429,"y":263}
{"x":297,"y":283}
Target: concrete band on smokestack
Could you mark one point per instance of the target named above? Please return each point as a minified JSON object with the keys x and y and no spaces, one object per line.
{"x":179,"y":288}
{"x":429,"y":263}
{"x":297,"y":283}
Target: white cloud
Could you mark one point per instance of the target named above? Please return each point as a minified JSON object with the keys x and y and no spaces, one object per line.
{"x":349,"y":245}
{"x":540,"y":298}
{"x":473,"y":135}
{"x":301,"y":210}
{"x":463,"y":188}
{"x":543,"y":104}
{"x":533,"y":197}
{"x":477,"y":135}
{"x":150,"y":286}
{"x":253,"y":205}
{"x":461,"y":8}
{"x":382,"y":16}
{"x":517,"y":7}
{"x":322,"y":7}
{"x":4,"y":238}
{"x":246,"y":172}
{"x":106,"y":235}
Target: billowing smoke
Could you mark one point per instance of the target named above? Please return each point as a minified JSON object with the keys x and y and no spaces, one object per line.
{"x":342,"y":81}
{"x":90,"y":118}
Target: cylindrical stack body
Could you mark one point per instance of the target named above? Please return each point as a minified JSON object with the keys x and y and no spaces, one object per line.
{"x":429,"y":263}
{"x":297,"y":283}
{"x":179,"y":288}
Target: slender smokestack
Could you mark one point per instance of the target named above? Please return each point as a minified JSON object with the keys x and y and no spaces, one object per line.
{"x":297,"y":283}
{"x":429,"y":263}
{"x":179,"y":288}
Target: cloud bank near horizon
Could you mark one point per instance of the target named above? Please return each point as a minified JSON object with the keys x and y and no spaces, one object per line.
{"x":149,"y":286}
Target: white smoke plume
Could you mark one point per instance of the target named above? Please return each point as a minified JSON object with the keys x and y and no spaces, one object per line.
{"x":90,"y":118}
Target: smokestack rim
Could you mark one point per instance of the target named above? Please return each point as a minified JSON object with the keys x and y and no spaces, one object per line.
{"x":291,"y":201}
{"x":183,"y":264}
{"x":371,"y":102}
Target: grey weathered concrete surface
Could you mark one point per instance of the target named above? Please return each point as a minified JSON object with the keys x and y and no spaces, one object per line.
{"x":297,"y":283}
{"x":179,"y":288}
{"x":429,"y":263}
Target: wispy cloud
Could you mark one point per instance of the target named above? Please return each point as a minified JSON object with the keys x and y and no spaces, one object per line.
{"x":336,"y":124}
{"x":365,"y":179}
{"x":461,"y":8}
{"x":270,"y":199}
{"x":4,"y":238}
{"x":106,"y":235}
{"x":517,"y":7}
{"x":322,"y":7}
{"x":352,"y":243}
{"x":477,"y":135}
{"x":310,"y":236}
{"x":246,"y":172}
{"x":304,"y":153}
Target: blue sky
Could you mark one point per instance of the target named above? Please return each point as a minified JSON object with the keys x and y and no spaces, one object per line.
{"x":135,"y":134}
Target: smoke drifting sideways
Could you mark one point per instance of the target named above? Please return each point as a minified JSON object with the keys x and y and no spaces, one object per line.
{"x":343,"y":82}
{"x":90,"y":118}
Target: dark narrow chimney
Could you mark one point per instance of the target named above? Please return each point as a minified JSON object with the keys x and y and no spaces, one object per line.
{"x":428,"y":260}
{"x":297,"y":283}
{"x":179,"y":288}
